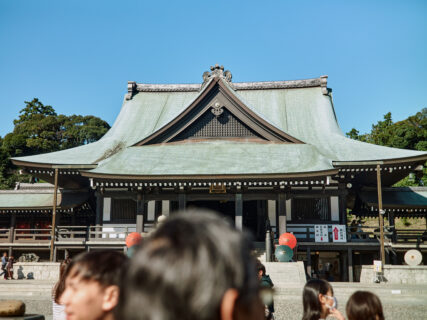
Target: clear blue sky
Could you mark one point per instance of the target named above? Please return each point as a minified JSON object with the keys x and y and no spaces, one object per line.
{"x":78,"y":55}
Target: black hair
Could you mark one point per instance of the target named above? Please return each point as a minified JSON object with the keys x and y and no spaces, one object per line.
{"x":184,"y":269}
{"x":59,"y":287}
{"x":102,"y":266}
{"x":364,"y":305}
{"x":261,"y":267}
{"x":310,"y":298}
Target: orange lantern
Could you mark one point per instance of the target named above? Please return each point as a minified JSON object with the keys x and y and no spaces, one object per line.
{"x":288,"y":239}
{"x":132,"y":239}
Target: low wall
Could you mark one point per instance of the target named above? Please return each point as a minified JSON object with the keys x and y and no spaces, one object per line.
{"x":36,"y":270}
{"x":285,"y":273}
{"x":396,"y":274}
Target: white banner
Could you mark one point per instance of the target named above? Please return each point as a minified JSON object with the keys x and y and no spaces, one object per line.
{"x":321,"y":233}
{"x":339,"y":233}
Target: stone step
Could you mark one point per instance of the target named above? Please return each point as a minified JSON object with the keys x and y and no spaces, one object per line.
{"x":13,"y":288}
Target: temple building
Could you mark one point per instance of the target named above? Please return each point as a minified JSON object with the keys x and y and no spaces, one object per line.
{"x":260,"y":153}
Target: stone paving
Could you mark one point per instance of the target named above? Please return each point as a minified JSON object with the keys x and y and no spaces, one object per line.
{"x":400,"y":302}
{"x":410,"y":303}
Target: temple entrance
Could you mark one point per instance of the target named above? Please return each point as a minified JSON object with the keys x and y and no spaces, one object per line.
{"x":254,"y":214}
{"x":226,"y":208}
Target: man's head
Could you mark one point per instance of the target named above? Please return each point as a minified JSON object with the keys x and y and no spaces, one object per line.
{"x":261,"y":270}
{"x":4,"y":254}
{"x":92,"y":285}
{"x":194,"y":266}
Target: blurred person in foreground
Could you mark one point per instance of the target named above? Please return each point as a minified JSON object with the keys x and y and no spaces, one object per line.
{"x":364,"y":305}
{"x":194,"y":266}
{"x":92,"y":285}
{"x":58,"y":309}
{"x":266,"y":289}
{"x":319,"y":301}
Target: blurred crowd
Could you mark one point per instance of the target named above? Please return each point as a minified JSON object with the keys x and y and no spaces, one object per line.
{"x":194,"y":266}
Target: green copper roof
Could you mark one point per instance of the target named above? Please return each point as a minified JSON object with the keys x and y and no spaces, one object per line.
{"x":215,"y":158}
{"x":398,"y":198}
{"x":34,"y":199}
{"x":304,"y":113}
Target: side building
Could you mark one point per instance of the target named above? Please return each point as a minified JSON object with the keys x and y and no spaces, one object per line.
{"x":258,"y":152}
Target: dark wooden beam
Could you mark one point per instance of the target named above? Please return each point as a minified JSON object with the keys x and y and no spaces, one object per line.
{"x":182,"y":201}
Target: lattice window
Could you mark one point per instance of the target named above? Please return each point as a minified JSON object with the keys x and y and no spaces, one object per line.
{"x":223,"y":126}
{"x":311,"y":210}
{"x":123,"y":210}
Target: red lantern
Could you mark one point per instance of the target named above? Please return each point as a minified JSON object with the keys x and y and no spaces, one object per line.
{"x":133,"y":239}
{"x":288,"y":239}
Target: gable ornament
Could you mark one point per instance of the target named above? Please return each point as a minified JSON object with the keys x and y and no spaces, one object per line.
{"x":217,"y":71}
{"x":217,"y":109}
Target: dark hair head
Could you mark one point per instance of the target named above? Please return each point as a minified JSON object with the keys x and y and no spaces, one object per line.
{"x":261,"y":267}
{"x":310,"y":298}
{"x":103,"y":267}
{"x":59,"y":287}
{"x":364,"y":305}
{"x":183,"y":270}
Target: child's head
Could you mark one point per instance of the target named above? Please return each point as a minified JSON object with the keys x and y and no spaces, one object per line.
{"x":318,"y":299}
{"x":92,"y":285}
{"x":364,"y":305}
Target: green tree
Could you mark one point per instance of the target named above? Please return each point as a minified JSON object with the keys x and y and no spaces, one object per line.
{"x":410,"y":133}
{"x":35,"y":130}
{"x":39,"y":129}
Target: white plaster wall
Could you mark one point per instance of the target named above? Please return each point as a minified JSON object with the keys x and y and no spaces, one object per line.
{"x":335,"y":212}
{"x":271,"y":207}
{"x":106,"y":213}
{"x":165,"y":207}
{"x":151,"y":205}
{"x":288,"y":210}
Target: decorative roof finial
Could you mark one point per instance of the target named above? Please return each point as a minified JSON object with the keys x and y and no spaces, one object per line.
{"x":217,"y":71}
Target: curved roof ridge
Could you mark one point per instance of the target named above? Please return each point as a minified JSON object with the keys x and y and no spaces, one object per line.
{"x":254,"y":85}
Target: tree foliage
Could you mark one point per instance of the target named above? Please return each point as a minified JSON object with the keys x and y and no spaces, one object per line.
{"x":410,"y":133}
{"x":40,"y":129}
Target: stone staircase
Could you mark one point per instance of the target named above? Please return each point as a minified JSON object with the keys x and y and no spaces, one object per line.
{"x":36,"y":294}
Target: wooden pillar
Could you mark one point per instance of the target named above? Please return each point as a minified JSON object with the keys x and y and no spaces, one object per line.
{"x":344,"y":266}
{"x":12,"y":226}
{"x":309,"y":262}
{"x":391,"y":222}
{"x":350,"y":264}
{"x":380,"y":214}
{"x":342,"y":204}
{"x":140,"y":210}
{"x":239,"y":211}
{"x":281,"y":212}
{"x":182,"y":201}
{"x":157,"y":210}
{"x":12,"y":231}
{"x":99,"y":213}
{"x":52,"y":234}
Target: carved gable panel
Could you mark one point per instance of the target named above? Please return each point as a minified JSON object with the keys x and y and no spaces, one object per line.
{"x":217,"y":113}
{"x":217,"y":123}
